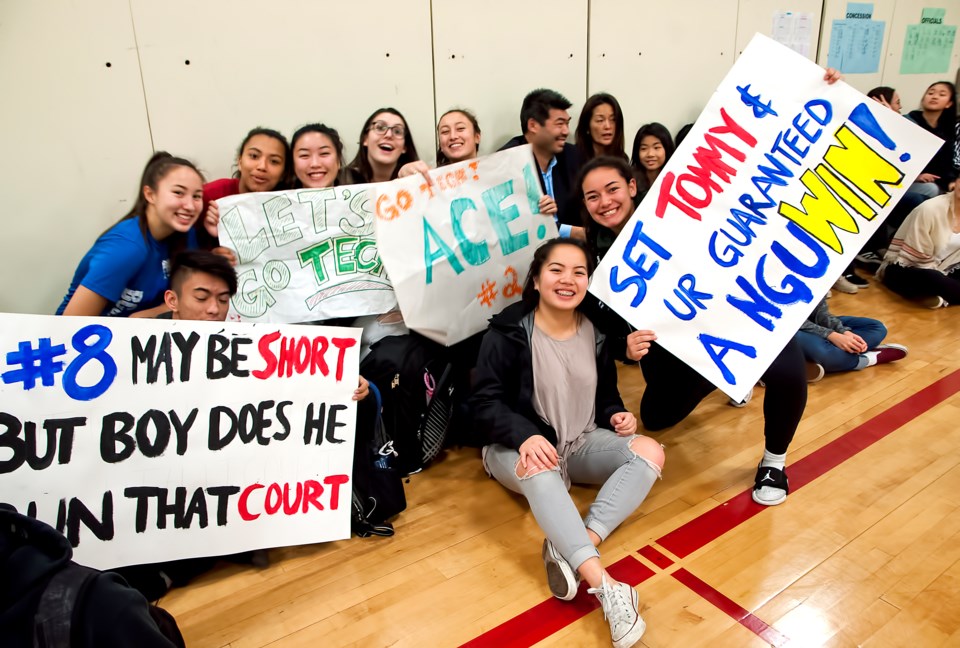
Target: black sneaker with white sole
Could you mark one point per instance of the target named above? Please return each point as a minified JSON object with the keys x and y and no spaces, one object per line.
{"x":857,"y":280}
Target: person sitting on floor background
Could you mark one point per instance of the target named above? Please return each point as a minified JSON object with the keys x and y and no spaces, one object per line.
{"x":843,"y":343}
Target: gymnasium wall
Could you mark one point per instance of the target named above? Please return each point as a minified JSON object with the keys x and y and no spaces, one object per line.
{"x":92,"y":87}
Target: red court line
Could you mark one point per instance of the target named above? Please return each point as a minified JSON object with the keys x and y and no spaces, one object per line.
{"x":703,"y":530}
{"x":731,"y":609}
{"x":541,"y":621}
{"x":655,"y":557}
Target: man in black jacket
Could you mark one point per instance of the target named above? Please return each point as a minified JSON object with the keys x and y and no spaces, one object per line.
{"x":546,"y":125}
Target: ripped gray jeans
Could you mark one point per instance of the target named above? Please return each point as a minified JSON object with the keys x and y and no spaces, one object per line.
{"x":604,"y":459}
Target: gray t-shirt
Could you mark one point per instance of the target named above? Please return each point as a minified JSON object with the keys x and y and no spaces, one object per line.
{"x":565,"y":384}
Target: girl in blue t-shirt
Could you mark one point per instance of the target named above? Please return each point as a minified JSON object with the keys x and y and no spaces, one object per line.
{"x":127,"y":270}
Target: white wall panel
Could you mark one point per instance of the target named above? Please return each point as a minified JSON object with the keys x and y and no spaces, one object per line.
{"x":74,"y":135}
{"x":280,"y":65}
{"x":661,"y":60}
{"x":489,"y":55}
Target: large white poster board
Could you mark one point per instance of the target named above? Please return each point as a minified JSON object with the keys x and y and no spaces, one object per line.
{"x":304,"y":255}
{"x":151,"y":440}
{"x":458,"y":252}
{"x":777,"y":187}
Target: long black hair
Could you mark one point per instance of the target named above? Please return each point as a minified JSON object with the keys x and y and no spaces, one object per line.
{"x":659,"y":131}
{"x":158,"y":166}
{"x":441,"y":158}
{"x":584,"y":141}
{"x":531,"y":296}
{"x":361,"y":163}
{"x":284,"y":181}
{"x":334,"y":137}
{"x":624,"y":170}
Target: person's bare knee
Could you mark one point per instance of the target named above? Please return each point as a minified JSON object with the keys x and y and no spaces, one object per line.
{"x":647,"y":448}
{"x":529,"y":471}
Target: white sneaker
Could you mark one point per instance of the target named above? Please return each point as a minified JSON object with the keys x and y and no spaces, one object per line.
{"x":620,"y":602}
{"x":561,"y":577}
{"x":933,"y":301}
{"x":843,"y":285}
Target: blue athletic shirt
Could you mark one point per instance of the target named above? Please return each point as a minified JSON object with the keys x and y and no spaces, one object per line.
{"x":129,"y":271}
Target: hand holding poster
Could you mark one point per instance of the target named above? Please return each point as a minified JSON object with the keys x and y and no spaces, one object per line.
{"x":304,"y":255}
{"x":147,"y":440}
{"x":458,"y":252}
{"x":775,"y":189}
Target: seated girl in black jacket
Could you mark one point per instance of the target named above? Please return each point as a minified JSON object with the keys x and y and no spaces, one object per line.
{"x":546,"y":400}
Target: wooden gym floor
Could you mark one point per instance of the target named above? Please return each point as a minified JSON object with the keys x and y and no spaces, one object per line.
{"x":866,"y":550}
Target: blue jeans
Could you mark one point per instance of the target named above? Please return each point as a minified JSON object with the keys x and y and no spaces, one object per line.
{"x":823,"y":352}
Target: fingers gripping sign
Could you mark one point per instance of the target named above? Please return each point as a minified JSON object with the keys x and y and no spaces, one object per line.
{"x":638,"y":344}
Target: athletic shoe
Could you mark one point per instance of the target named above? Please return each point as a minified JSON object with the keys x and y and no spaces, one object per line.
{"x":743,"y":403}
{"x":870,"y":259}
{"x":890,"y":352}
{"x":815,"y":372}
{"x":844,"y":286}
{"x":770,"y":487}
{"x":620,"y":602}
{"x":561,"y":578}
{"x":934,"y":302}
{"x":857,"y":280}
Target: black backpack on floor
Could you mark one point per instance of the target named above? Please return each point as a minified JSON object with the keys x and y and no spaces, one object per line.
{"x":61,"y":608}
{"x":377,"y":485}
{"x":417,"y":384}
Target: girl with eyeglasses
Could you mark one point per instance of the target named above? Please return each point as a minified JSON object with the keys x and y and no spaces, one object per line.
{"x":386,"y":145}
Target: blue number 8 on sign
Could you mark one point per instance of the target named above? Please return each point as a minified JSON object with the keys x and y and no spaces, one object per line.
{"x":88,"y":352}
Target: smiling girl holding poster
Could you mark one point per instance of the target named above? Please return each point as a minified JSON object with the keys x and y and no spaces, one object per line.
{"x":673,"y":389}
{"x":539,"y":359}
{"x":386,"y":145}
{"x":317,"y":157}
{"x":261,"y":166}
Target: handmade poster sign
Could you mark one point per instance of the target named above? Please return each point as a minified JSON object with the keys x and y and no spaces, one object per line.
{"x":777,"y":187}
{"x":305,"y":255}
{"x":458,"y":252}
{"x":150,"y":440}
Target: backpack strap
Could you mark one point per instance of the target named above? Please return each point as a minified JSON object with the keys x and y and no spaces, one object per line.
{"x":53,"y":621}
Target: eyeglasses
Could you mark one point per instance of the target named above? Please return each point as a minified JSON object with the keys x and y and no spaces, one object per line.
{"x":381,"y":128}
